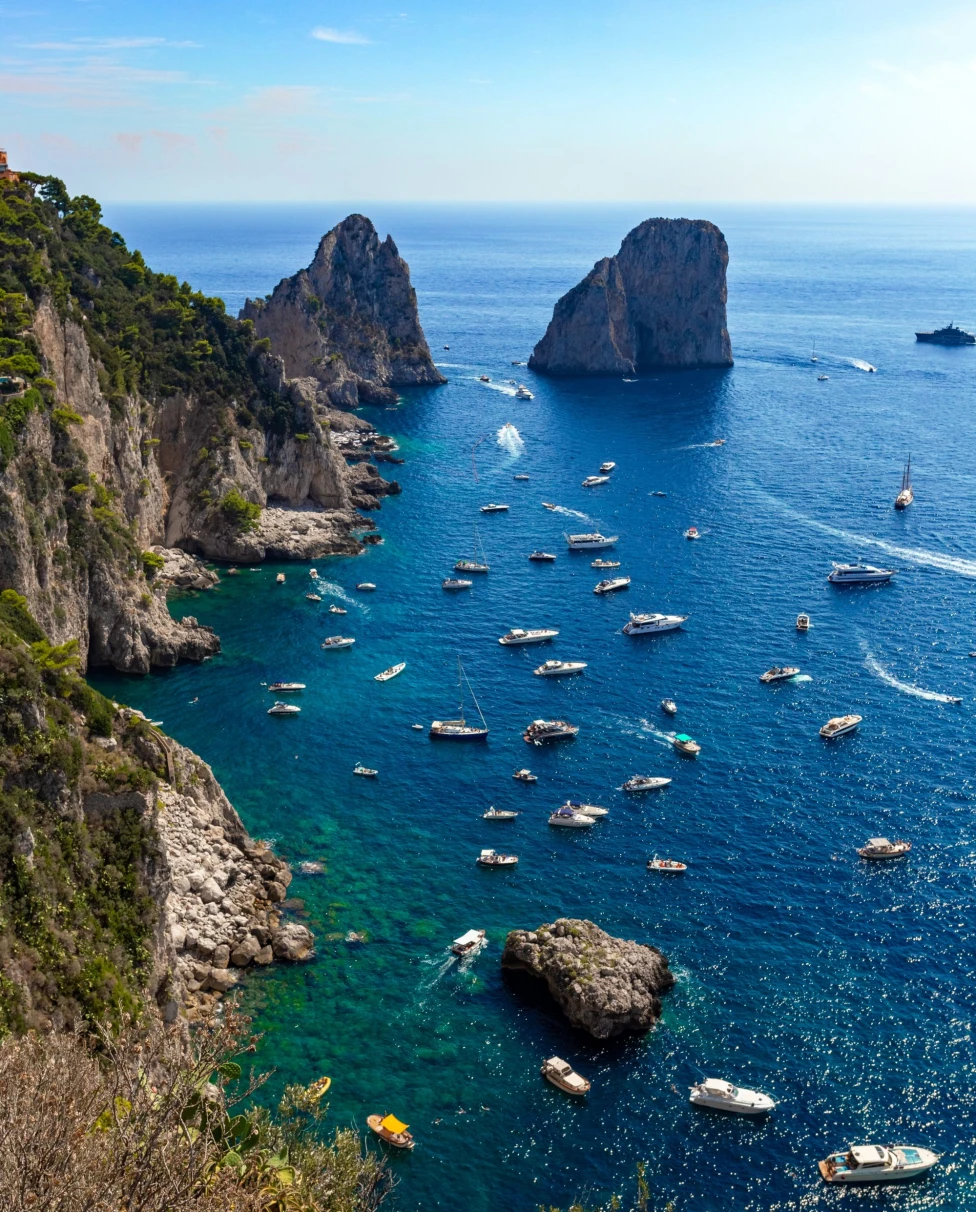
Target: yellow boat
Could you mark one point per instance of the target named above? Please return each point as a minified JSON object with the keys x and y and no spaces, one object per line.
{"x":319,"y":1088}
{"x":392,"y":1130}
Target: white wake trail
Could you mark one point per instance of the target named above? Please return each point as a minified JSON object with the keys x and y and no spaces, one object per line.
{"x":504,"y":388}
{"x":572,"y":513}
{"x":336,"y":591}
{"x":872,"y":665}
{"x":510,"y":440}
{"x":860,"y":364}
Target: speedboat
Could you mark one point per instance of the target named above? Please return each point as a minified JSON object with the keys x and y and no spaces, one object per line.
{"x":522,"y":477}
{"x":567,"y":818}
{"x":592,"y":810}
{"x":779,"y":673}
{"x":563,"y":1075}
{"x":525,"y":776}
{"x":606,"y":468}
{"x":612,"y":585}
{"x":365,"y":586}
{"x":877,"y":1164}
{"x":470,"y":940}
{"x":592,"y":481}
{"x":671,"y":866}
{"x":284,"y":709}
{"x":548,"y":505}
{"x":528,"y":635}
{"x":653,"y":624}
{"x":523,"y":393}
{"x":839,"y":725}
{"x":491,"y":858}
{"x":391,"y":672}
{"x":491,"y":507}
{"x":286,"y":687}
{"x":669,"y":706}
{"x":499,"y":814}
{"x":484,"y":378}
{"x":723,"y":1096}
{"x":338,"y":641}
{"x":456,"y":583}
{"x":366,"y":772}
{"x":859,"y":574}
{"x":822,"y":378}
{"x":542,"y":557}
{"x":280,"y":578}
{"x":590,"y":542}
{"x":390,"y":1129}
{"x":716,"y":442}
{"x":684,"y":744}
{"x":549,"y":730}
{"x":644,"y":782}
{"x":803,"y":622}
{"x":555,"y":669}
{"x":605,"y":564}
{"x":333,"y":609}
{"x":313,"y":573}
{"x":882,"y":848}
{"x":659,"y":493}
{"x":692,"y":533}
{"x":312,"y":597}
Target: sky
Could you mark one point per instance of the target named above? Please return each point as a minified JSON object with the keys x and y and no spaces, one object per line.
{"x":839,"y":101}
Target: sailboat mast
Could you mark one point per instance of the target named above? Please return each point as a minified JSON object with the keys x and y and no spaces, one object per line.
{"x":460,"y":693}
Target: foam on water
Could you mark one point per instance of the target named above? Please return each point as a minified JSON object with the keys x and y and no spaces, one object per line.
{"x":860,"y":364}
{"x":572,"y":513}
{"x":874,"y":666}
{"x":510,"y":440}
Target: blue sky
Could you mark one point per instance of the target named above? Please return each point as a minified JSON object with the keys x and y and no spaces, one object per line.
{"x":744,"y":100}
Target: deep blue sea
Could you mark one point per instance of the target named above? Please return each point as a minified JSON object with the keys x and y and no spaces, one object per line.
{"x":845,"y":990}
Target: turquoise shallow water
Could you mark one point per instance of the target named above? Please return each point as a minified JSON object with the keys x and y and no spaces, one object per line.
{"x":844,"y":990}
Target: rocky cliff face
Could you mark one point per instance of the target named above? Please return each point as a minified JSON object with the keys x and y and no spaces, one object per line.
{"x":349,"y":321}
{"x":660,"y":302}
{"x":603,"y":984}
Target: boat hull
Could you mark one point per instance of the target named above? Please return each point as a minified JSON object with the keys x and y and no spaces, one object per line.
{"x":904,"y":499}
{"x":457,"y":734}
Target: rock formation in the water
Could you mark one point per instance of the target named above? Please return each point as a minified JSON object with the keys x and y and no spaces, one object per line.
{"x":660,"y":302}
{"x":349,"y":321}
{"x":603,"y":984}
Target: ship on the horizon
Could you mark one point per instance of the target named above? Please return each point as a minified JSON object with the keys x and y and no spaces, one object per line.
{"x":950,"y":335}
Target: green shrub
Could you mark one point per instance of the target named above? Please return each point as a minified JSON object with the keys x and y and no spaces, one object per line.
{"x":152,"y":562}
{"x":239,"y":511}
{"x":63,"y":417}
{"x":14,"y":612}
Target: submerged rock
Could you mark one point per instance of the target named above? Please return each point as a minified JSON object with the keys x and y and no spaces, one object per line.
{"x":603,"y":984}
{"x":659,"y":302}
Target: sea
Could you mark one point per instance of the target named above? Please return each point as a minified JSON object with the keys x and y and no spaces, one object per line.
{"x":846,"y":990}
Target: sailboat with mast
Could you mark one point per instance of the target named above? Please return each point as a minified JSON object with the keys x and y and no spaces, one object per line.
{"x":907,"y":494}
{"x":460,"y":729}
{"x":474,"y":564}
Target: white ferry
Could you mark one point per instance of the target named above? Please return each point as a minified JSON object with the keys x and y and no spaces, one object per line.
{"x":590,"y":542}
{"x":652,"y":624}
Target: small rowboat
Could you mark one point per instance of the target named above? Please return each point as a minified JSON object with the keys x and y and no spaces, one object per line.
{"x":366,"y":772}
{"x":499,"y":814}
{"x":390,"y":1129}
{"x":562,"y":1074}
{"x":672,"y":865}
{"x":684,"y":744}
{"x":391,"y":672}
{"x":491,"y":858}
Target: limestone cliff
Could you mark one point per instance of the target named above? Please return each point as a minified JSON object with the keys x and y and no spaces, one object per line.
{"x":660,"y":302}
{"x":349,"y":321}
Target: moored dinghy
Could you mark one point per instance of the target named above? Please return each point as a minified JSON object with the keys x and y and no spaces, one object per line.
{"x":391,"y":672}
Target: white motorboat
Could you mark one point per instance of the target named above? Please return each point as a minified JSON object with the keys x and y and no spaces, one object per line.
{"x":460,"y":729}
{"x":549,"y":730}
{"x":667,"y":866}
{"x":365,"y":772}
{"x":612,"y":585}
{"x":669,"y":706}
{"x":566,"y":818}
{"x":313,"y":573}
{"x":469,"y":941}
{"x":286,"y":687}
{"x":284,"y":709}
{"x":653,"y":624}
{"x":542,"y":557}
{"x":593,"y":810}
{"x":523,"y":393}
{"x":606,"y":468}
{"x":333,"y":609}
{"x":525,"y":776}
{"x":491,"y":507}
{"x":499,"y":814}
{"x":590,"y":542}
{"x":528,"y":635}
{"x":338,"y":641}
{"x":803,"y":622}
{"x":280,"y":578}
{"x":605,"y":564}
{"x":822,"y":378}
{"x":484,"y":379}
{"x":491,"y":858}
{"x":779,"y":673}
{"x":723,"y":1096}
{"x":877,"y":1164}
{"x":563,"y":1075}
{"x":644,"y":782}
{"x":859,"y":574}
{"x":455,"y":583}
{"x":592,"y":481}
{"x":391,"y":672}
{"x":840,"y":725}
{"x":883,"y":848}
{"x":907,"y":493}
{"x":312,"y":597}
{"x":365,"y":586}
{"x":555,"y":669}
{"x":520,"y":477}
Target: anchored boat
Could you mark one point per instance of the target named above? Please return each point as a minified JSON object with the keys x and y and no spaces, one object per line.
{"x":567,"y":818}
{"x":542,"y":557}
{"x":669,"y":706}
{"x":590,"y":542}
{"x":882,"y":848}
{"x":555,"y":669}
{"x":284,"y":709}
{"x":455,"y":583}
{"x":653,"y":624}
{"x":460,"y":729}
{"x":612,"y":585}
{"x":499,"y":814}
{"x":286,"y":687}
{"x":549,"y":730}
{"x":644,"y":782}
{"x":525,"y":776}
{"x":491,"y":507}
{"x":528,"y":635}
{"x":390,"y":673}
{"x":491,"y":858}
{"x":779,"y":673}
{"x":563,"y":1075}
{"x":877,"y":1164}
{"x":671,"y":866}
{"x":392,"y":1130}
{"x":474,"y":564}
{"x":338,"y":641}
{"x":592,"y":481}
{"x":365,"y":772}
{"x":839,"y":726}
{"x":723,"y":1096}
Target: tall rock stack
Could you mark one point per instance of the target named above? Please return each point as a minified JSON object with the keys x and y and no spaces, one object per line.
{"x":349,"y":321}
{"x":660,"y":302}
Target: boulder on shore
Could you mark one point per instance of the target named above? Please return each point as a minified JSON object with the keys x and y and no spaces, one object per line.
{"x":603,"y":984}
{"x":659,"y":302}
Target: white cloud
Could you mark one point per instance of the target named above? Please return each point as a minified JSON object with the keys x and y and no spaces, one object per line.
{"x":322,"y":33}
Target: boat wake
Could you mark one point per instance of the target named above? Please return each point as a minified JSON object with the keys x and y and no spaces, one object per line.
{"x":872,"y":665}
{"x":336,"y":591}
{"x":572,"y":513}
{"x":911,"y":555}
{"x":510,"y":440}
{"x":505,"y":388}
{"x":802,"y":677}
{"x":653,"y":733}
{"x":860,"y":364}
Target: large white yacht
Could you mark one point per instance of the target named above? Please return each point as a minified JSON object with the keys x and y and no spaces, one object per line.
{"x":855,"y":574}
{"x":528,"y":635}
{"x":651,"y":624}
{"x":723,"y":1096}
{"x":590,"y":542}
{"x":877,"y":1164}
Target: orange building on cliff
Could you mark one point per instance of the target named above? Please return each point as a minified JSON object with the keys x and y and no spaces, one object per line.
{"x":6,"y":172}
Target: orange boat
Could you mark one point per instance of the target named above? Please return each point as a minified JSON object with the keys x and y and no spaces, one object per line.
{"x":392,"y":1130}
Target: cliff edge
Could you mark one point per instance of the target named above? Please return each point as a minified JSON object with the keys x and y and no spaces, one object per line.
{"x":349,"y":321}
{"x":660,"y":302}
